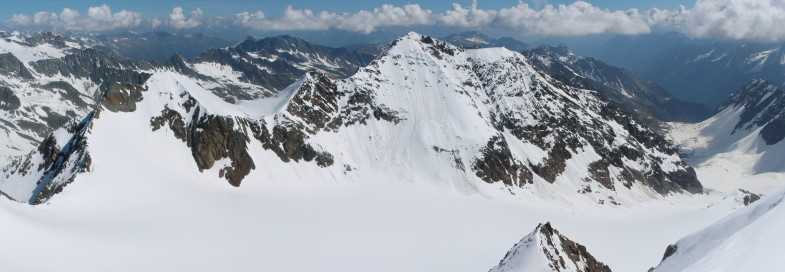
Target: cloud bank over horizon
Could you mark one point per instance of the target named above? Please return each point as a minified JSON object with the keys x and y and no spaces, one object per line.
{"x":753,"y":20}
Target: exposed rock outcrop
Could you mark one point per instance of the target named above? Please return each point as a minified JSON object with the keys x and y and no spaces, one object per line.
{"x":545,"y":249}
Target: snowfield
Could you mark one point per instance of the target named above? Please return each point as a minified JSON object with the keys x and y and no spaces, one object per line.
{"x":131,"y":220}
{"x":747,"y":240}
{"x":391,"y":202}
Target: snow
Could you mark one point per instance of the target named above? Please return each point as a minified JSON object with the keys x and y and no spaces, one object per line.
{"x":172,"y":220}
{"x":725,"y":160}
{"x":760,"y":58}
{"x":750,"y":238}
{"x":144,"y":205}
{"x":27,"y":54}
{"x":527,"y":255}
{"x":704,"y":56}
{"x":747,"y":240}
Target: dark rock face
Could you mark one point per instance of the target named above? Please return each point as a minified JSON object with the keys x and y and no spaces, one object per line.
{"x":438,"y":47}
{"x":288,"y":141}
{"x":8,"y":100}
{"x":313,"y":108}
{"x":669,"y":251}
{"x":61,"y":165}
{"x":317,"y":104}
{"x":95,"y":65}
{"x":11,"y":66}
{"x":561,"y":132}
{"x":122,"y":97}
{"x":212,"y":138}
{"x":763,"y":105}
{"x":56,"y":39}
{"x":749,"y":197}
{"x":174,"y":121}
{"x":575,"y":252}
{"x":498,"y":164}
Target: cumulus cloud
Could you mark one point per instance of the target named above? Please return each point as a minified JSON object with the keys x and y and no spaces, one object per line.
{"x":362,"y":21}
{"x":757,"y":20}
{"x":97,"y":19}
{"x":178,"y":20}
{"x":292,"y":19}
{"x":467,"y":17}
{"x":574,"y":19}
{"x":578,"y":18}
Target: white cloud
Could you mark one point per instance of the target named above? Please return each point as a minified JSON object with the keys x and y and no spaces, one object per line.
{"x":578,"y":18}
{"x":292,"y":19}
{"x":756,"y":20}
{"x":467,"y":17}
{"x":21,"y":19}
{"x":387,"y":15}
{"x":97,"y":19}
{"x":575,"y":19}
{"x":178,"y":20}
{"x":362,"y":21}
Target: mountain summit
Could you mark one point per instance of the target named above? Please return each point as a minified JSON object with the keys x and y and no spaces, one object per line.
{"x":426,"y":111}
{"x":545,"y":249}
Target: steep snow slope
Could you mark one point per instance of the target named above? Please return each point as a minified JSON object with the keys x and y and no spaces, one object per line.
{"x":426,"y":160}
{"x":545,"y":249}
{"x":747,"y":240}
{"x":741,"y":146}
{"x":429,"y":110}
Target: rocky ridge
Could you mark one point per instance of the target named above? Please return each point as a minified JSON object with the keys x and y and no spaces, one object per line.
{"x":526,"y":128}
{"x":545,"y":249}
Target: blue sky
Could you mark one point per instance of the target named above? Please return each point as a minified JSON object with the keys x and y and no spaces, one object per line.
{"x":274,"y":8}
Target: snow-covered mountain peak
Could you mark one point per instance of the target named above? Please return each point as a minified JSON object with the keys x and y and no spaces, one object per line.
{"x":414,"y":42}
{"x":546,"y":250}
{"x":756,"y":93}
{"x":437,"y":113}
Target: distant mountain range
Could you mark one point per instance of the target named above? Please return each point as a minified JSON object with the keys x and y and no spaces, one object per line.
{"x":474,"y":39}
{"x":156,"y":45}
{"x":647,"y":100}
{"x":701,"y":71}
